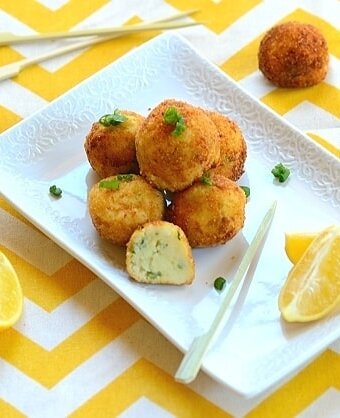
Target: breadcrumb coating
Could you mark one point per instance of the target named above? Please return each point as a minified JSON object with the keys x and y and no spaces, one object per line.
{"x":210,"y":212}
{"x":233,"y":147}
{"x":111,"y":150}
{"x":174,"y":162}
{"x":293,"y":54}
{"x":117,"y":212}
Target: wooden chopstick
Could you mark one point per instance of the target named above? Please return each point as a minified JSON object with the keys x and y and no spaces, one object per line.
{"x":13,"y":69}
{"x":192,"y":360}
{"x":9,"y":38}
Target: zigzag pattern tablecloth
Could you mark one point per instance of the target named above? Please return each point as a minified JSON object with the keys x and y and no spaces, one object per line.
{"x":80,"y":350}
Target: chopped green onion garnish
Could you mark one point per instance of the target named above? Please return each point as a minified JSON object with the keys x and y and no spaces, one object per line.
{"x":281,"y":172}
{"x":205,"y":179}
{"x":56,"y":191}
{"x":113,"y":119}
{"x":180,"y":127}
{"x":115,"y":182}
{"x":246,"y":190}
{"x":219,"y":283}
{"x":109,"y":184}
{"x":173,"y":117}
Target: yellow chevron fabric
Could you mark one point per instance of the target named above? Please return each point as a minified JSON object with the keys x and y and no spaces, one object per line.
{"x":80,"y":350}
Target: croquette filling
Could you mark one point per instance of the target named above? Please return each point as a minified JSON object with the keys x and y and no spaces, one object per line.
{"x":158,"y":255}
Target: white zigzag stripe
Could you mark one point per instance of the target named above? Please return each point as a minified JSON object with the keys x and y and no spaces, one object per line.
{"x":308,"y":116}
{"x":14,"y":381}
{"x":140,"y":341}
{"x":67,"y":318}
{"x":29,"y":102}
{"x":251,"y":25}
{"x":10,"y":22}
{"x":257,"y":85}
{"x":110,"y":14}
{"x":53,"y":4}
{"x":218,"y":48}
{"x":333,"y":76}
{"x":328,"y":10}
{"x":256,"y":21}
{"x":143,"y":407}
{"x":31,"y":245}
{"x":104,"y":17}
{"x":115,"y":357}
{"x":100,"y":18}
{"x":336,"y":346}
{"x":159,"y":351}
{"x":329,"y":401}
{"x":205,"y":40}
{"x":332,"y":135}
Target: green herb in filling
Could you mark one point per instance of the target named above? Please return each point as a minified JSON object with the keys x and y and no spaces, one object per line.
{"x":140,"y":244}
{"x":153,"y":275}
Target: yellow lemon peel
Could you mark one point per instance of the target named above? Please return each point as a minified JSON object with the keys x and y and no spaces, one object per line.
{"x":11,"y":297}
{"x":312,"y":288}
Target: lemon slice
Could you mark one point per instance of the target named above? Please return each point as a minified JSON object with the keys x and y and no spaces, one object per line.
{"x":297,"y":243}
{"x":312,"y":288}
{"x":11,"y":297}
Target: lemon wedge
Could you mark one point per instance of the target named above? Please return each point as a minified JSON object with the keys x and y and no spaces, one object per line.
{"x":11,"y":297}
{"x":297,"y":243}
{"x":312,"y":288}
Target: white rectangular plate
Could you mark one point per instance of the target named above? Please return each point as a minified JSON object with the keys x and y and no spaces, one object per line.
{"x":259,"y":350}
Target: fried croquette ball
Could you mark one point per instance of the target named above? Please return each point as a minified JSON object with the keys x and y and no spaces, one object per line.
{"x":110,"y":145}
{"x":176,"y":144}
{"x":210,"y":212}
{"x":293,"y":54}
{"x":159,"y":253}
{"x":120,"y":204}
{"x":233,"y":148}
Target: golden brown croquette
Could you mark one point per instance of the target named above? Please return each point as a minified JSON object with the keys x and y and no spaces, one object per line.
{"x":111,"y":149}
{"x":120,"y":204}
{"x":210,"y":212}
{"x":233,"y":148}
{"x":173,"y":152}
{"x":293,"y":54}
